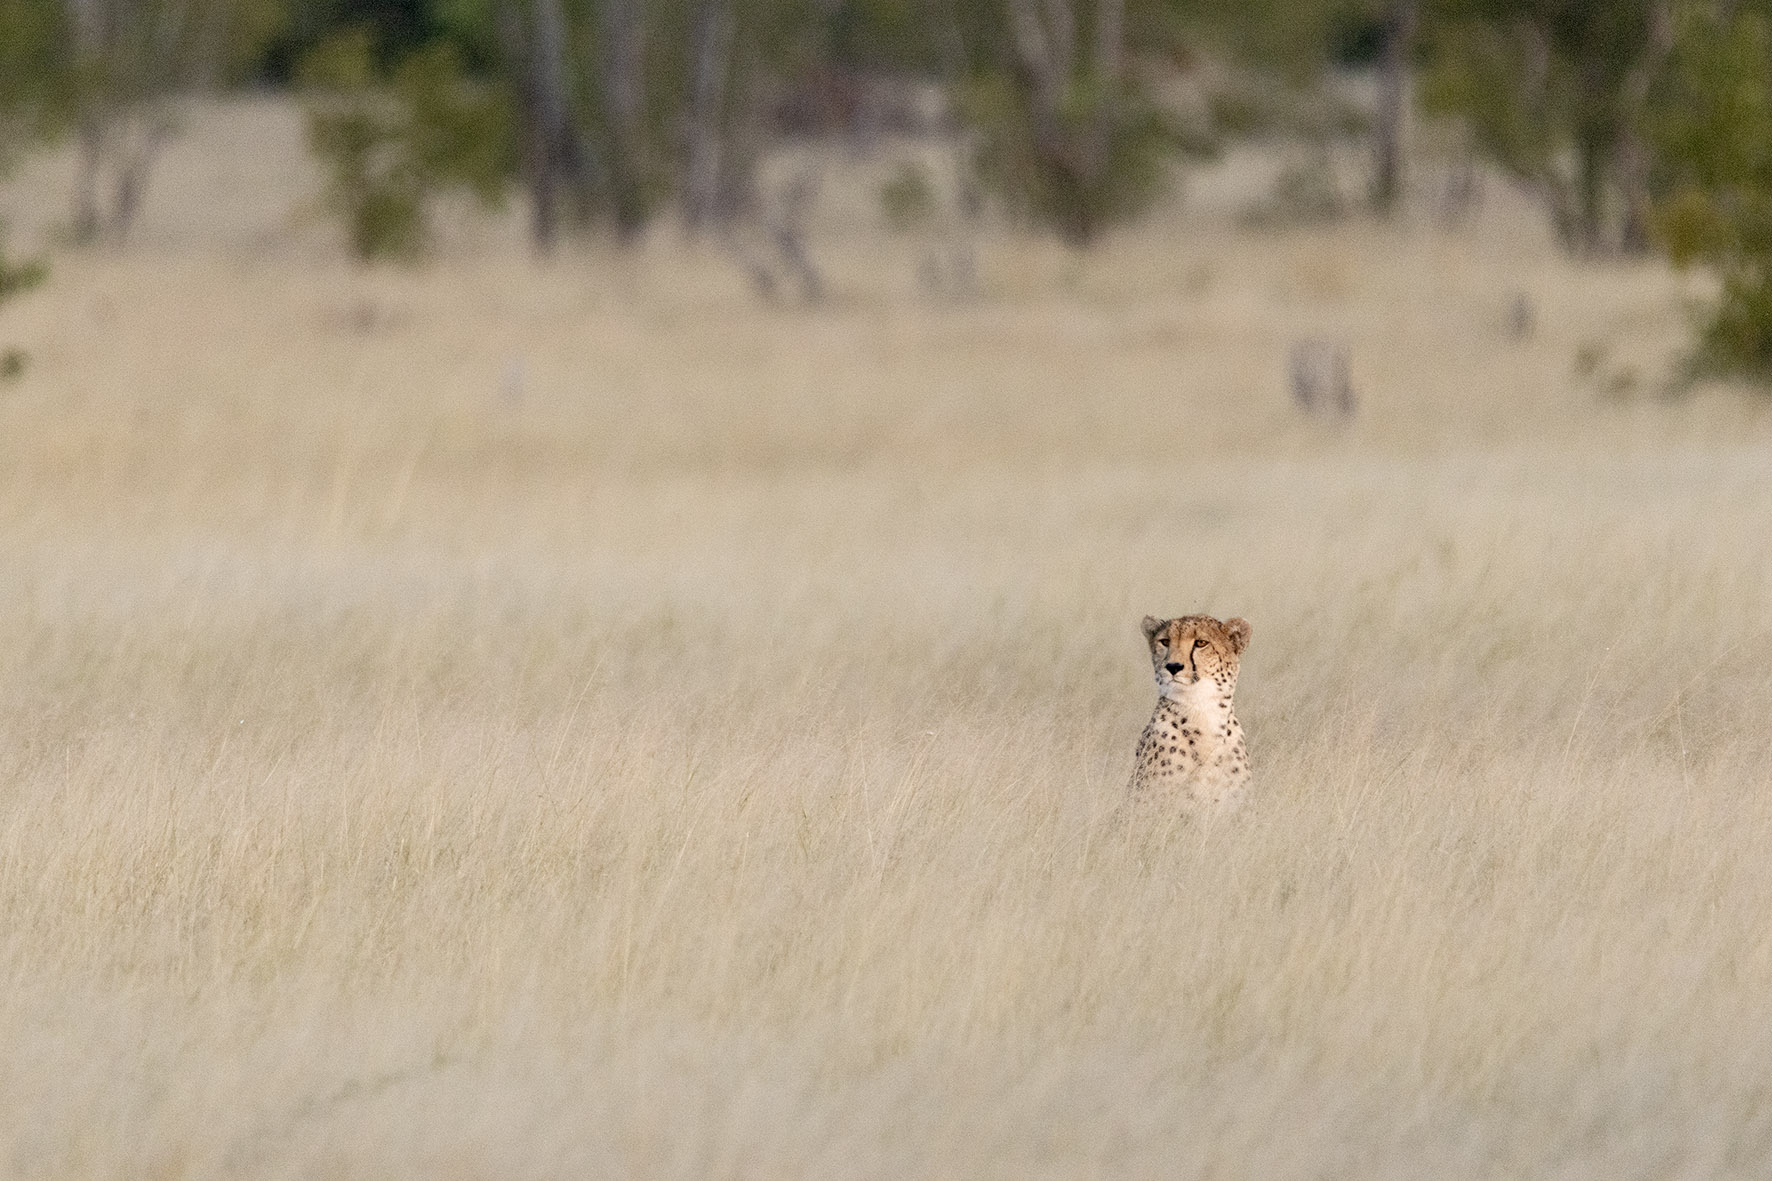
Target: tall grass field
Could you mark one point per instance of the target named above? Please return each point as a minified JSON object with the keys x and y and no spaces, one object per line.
{"x":575,"y":719}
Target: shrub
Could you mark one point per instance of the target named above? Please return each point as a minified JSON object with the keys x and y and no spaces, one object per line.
{"x":1099,"y":157}
{"x":1711,"y":125}
{"x":14,"y":279}
{"x":907,"y":198}
{"x":392,"y":146}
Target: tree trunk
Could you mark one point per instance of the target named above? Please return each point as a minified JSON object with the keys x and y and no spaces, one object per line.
{"x":711,"y":65}
{"x":88,"y":20}
{"x":514,"y":43}
{"x":1547,"y":177}
{"x":1633,"y":154}
{"x":1045,"y":61}
{"x":134,"y":164}
{"x":553,"y":125}
{"x":624,"y":76}
{"x":1110,"y":32}
{"x":1045,"y":47}
{"x":536,"y":52}
{"x":1592,"y":160}
{"x":962,"y":267}
{"x":1393,"y":94}
{"x":92,"y":150}
{"x":144,"y":132}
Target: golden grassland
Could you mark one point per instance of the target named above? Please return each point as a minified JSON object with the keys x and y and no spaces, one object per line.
{"x":520,"y":720}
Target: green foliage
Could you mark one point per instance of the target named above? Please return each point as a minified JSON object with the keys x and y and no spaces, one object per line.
{"x":1551,"y":91}
{"x":16,"y":278}
{"x":1242,"y":112}
{"x":33,"y":80}
{"x":1289,"y":40}
{"x":391,"y":146}
{"x":907,"y":198}
{"x":619,"y":106}
{"x":1711,"y":125}
{"x":1099,"y":146}
{"x":27,"y":93}
{"x":1099,"y":158}
{"x":396,"y":28}
{"x":110,"y":72}
{"x":1474,"y":76}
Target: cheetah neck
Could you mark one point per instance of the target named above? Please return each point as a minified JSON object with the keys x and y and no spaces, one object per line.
{"x":1203,"y":698}
{"x":1203,"y":707}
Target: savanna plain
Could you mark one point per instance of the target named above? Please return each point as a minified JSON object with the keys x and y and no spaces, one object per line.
{"x":576,"y":719}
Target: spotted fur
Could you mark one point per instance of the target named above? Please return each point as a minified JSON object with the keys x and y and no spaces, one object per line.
{"x":1192,"y":754}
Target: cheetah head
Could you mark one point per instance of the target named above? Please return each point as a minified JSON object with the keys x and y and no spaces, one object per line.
{"x":1195,"y":653}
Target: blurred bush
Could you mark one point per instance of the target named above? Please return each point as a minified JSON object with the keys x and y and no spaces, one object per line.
{"x":112,"y":74}
{"x":1092,"y":155}
{"x":16,"y":277}
{"x":1555,"y":94}
{"x":1711,"y":126}
{"x":908,"y":198}
{"x":391,"y":146}
{"x":1062,"y":100}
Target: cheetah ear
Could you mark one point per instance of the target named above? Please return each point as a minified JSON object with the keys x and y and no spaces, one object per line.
{"x":1238,"y":631}
{"x":1152,"y":625}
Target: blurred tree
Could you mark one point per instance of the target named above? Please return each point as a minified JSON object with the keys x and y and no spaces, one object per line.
{"x":32,"y":88}
{"x":600,"y":88}
{"x":620,"y":107}
{"x":1068,"y":133}
{"x":29,"y":106}
{"x":1288,"y":59}
{"x":623,"y":104}
{"x":1291,"y":41}
{"x":620,"y":33}
{"x":712,"y":38}
{"x":115,"y":68}
{"x":553,"y":150}
{"x":1554,"y":92}
{"x":392,"y":143}
{"x":1393,"y":86}
{"x":1710,"y":126}
{"x":395,"y":29}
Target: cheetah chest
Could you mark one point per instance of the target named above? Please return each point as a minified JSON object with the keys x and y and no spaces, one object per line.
{"x":1194,"y":751}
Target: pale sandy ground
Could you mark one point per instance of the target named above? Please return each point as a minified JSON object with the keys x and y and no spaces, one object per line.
{"x":503,"y":721}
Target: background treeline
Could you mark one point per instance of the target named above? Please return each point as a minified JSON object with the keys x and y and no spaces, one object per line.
{"x":1636,"y":124}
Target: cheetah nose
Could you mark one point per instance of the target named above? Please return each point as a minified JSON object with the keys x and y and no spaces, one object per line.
{"x":1173,"y":668}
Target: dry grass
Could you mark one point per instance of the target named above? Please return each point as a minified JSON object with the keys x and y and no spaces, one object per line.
{"x":504,"y":721}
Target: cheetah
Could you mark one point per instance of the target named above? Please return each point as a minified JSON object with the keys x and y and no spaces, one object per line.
{"x":1192,"y":752}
